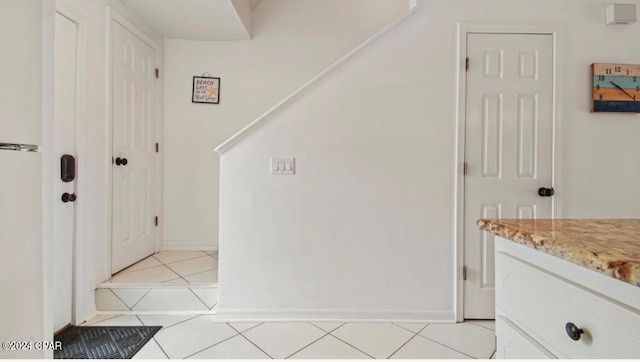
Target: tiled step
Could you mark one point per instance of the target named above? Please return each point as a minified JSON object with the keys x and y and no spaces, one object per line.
{"x":149,"y":298}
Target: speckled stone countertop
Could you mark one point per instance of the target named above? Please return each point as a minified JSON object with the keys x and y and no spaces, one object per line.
{"x":610,"y":247}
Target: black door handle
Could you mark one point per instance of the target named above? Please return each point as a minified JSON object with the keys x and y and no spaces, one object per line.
{"x":67,"y":197}
{"x":546,"y":192}
{"x":121,"y":161}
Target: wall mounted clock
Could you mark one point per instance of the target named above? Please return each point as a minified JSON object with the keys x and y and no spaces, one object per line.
{"x":616,"y":87}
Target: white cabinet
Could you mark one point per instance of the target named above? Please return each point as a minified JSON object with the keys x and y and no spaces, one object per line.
{"x":538,"y":296}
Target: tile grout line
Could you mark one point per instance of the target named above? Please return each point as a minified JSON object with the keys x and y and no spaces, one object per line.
{"x":186,"y":320}
{"x":159,"y":346}
{"x":181,"y":260}
{"x":408,"y":330}
{"x":478,"y":325}
{"x":213,"y":345}
{"x":154,"y":338}
{"x":444,"y":345}
{"x":176,"y":273}
{"x":203,"y":271}
{"x":200,"y":299}
{"x":140,"y":300}
{"x":404,"y":344}
{"x":412,"y":337}
{"x":350,"y":343}
{"x":114,"y":293}
{"x":133,"y":271}
{"x":114,"y":316}
{"x":301,"y":349}
{"x":343,"y":323}
{"x":250,"y":341}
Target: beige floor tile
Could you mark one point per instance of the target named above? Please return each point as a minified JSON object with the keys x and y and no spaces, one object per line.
{"x":145,"y":263}
{"x":235,"y":348}
{"x":151,"y":350}
{"x":157,"y":274}
{"x":164,"y":320}
{"x":210,"y":276}
{"x":271,"y":337}
{"x":172,"y":256}
{"x":193,"y":336}
{"x":413,"y":327}
{"x":328,"y":326}
{"x":467,"y":338}
{"x":422,"y":348}
{"x":193,"y":266}
{"x":379,"y":340}
{"x":329,"y":347}
{"x":170,"y":299}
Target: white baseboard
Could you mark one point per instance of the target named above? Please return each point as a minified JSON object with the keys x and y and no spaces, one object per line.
{"x":178,"y":245}
{"x":299,"y":315}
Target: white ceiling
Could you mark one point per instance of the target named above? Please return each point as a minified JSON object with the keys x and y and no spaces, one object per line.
{"x":196,"y":19}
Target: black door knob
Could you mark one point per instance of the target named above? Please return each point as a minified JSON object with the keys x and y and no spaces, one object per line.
{"x":573,"y":331}
{"x":121,"y":161}
{"x":67,"y":197}
{"x":546,"y":192}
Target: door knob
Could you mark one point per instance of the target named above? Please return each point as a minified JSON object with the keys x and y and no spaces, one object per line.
{"x":67,"y":197}
{"x":573,"y":331}
{"x":546,"y":192}
{"x":121,"y":161}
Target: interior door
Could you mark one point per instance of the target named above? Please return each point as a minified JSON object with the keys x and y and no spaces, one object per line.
{"x":134,"y":115}
{"x":65,"y":96}
{"x":508,"y":147}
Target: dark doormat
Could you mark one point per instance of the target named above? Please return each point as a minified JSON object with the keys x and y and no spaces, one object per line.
{"x":102,"y":342}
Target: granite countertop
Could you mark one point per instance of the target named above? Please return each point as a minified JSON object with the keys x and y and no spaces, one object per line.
{"x":610,"y":247}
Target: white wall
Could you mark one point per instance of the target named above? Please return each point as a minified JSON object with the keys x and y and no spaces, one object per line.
{"x":95,"y":160}
{"x":365,"y":229}
{"x":292,"y":42}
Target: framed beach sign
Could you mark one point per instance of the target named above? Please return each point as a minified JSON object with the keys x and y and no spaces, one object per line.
{"x":206,"y":90}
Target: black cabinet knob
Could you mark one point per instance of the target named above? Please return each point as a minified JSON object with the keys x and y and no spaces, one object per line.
{"x":121,"y":161}
{"x":573,"y":331}
{"x":67,"y":197}
{"x":546,"y":192}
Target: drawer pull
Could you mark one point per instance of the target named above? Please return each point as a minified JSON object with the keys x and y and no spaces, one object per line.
{"x":573,"y":331}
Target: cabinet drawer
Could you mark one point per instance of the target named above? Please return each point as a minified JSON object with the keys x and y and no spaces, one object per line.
{"x":541,"y":304}
{"x":513,"y":343}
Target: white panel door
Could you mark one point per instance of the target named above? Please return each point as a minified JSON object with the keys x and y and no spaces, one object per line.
{"x":134,"y":114}
{"x":66,"y":43}
{"x":508,"y":147}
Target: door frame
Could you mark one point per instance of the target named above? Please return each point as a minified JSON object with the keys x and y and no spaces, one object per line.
{"x":113,"y":15}
{"x":557,"y":31}
{"x":79,"y":308}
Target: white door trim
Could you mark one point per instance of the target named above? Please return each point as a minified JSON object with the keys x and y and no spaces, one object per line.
{"x":555,"y":30}
{"x":113,"y":15}
{"x":80,"y":311}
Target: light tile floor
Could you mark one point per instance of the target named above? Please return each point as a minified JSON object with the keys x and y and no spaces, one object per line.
{"x":201,"y":336}
{"x":172,"y":268}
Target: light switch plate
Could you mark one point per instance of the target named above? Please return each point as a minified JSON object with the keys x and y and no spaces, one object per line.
{"x":283,"y":165}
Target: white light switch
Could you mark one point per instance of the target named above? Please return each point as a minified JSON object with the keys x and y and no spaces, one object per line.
{"x":283,"y":166}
